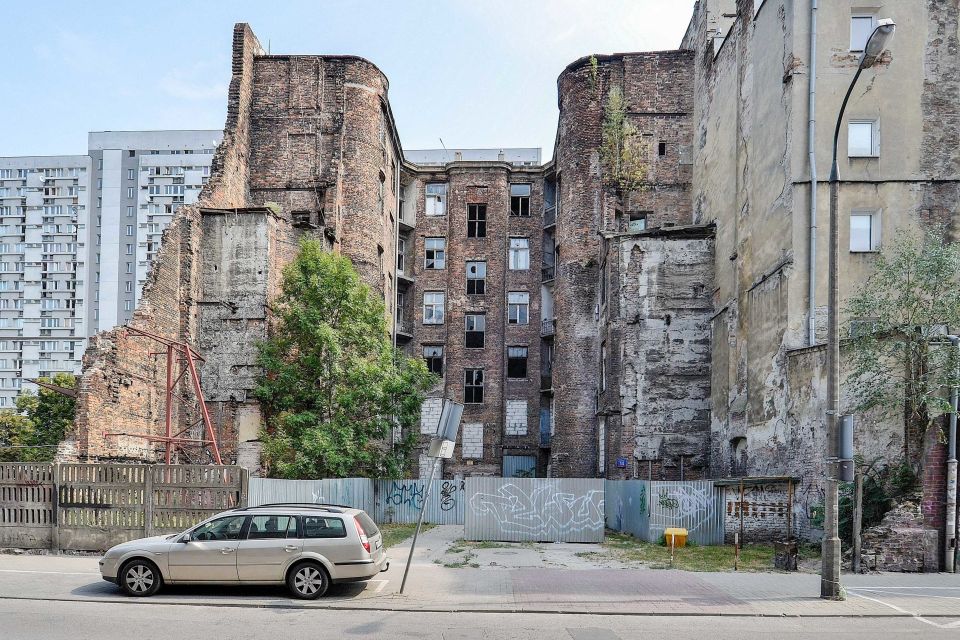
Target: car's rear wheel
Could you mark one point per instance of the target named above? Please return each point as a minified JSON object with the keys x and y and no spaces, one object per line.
{"x":308,"y":581}
{"x":140,"y":578}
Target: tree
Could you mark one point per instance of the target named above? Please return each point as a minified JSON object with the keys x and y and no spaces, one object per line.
{"x":899,"y":359}
{"x":622,"y":151}
{"x":32,"y":431}
{"x":333,"y":387}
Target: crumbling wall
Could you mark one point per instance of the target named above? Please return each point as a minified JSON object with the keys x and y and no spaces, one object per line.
{"x":657,"y":91}
{"x":901,"y":542}
{"x":658,"y":343}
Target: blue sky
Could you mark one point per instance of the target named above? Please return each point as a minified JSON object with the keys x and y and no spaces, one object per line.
{"x":478,"y":73}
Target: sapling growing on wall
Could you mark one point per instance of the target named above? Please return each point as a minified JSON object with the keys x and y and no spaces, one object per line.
{"x":623,"y":153}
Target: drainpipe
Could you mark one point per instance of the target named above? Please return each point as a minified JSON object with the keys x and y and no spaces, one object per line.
{"x":950,"y":525}
{"x":811,"y":151}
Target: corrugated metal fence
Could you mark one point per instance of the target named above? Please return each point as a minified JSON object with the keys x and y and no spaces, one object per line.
{"x":385,"y":500}
{"x":534,"y":509}
{"x":645,"y":508}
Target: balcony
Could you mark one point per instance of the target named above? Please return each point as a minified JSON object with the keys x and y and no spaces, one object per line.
{"x":545,"y":419}
{"x":549,"y":217}
{"x":548,"y":272}
{"x":546,"y":381}
{"x":548,"y":327}
{"x":404,"y":331}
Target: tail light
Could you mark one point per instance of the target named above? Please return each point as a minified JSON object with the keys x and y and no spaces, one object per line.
{"x":363,"y":535}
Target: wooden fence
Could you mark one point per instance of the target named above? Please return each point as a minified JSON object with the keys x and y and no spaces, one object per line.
{"x":92,"y":507}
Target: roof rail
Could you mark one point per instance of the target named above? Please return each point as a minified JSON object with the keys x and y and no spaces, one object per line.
{"x":300,"y":505}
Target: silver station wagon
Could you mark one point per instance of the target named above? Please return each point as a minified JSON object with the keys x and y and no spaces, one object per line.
{"x":308,"y":547}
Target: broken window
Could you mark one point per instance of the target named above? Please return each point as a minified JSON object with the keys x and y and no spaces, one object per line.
{"x":433,"y":356}
{"x":519,"y":253}
{"x":520,"y":199}
{"x":637,"y":222}
{"x":401,"y":303}
{"x":433,"y":303}
{"x":401,"y":247}
{"x":864,"y":231}
{"x":473,"y":386}
{"x":518,"y":307}
{"x":436,"y":253}
{"x":477,"y":221}
{"x":861,"y":28}
{"x":517,"y":362}
{"x":476,"y":277}
{"x":862,"y":139}
{"x":475,"y":325}
{"x":662,"y":149}
{"x":436,"y":199}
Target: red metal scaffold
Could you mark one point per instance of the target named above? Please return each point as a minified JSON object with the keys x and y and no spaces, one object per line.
{"x":187,"y":356}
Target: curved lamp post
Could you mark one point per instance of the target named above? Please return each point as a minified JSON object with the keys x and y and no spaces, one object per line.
{"x":830,"y":569}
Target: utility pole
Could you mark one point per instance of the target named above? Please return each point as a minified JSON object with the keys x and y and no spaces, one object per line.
{"x":830,"y":588}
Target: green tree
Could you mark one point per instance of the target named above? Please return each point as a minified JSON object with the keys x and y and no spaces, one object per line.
{"x":622,"y":150}
{"x":333,"y":387}
{"x":32,"y":431}
{"x":898,"y":357}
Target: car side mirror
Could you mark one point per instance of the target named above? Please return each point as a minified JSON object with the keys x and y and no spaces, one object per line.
{"x":185,"y":538}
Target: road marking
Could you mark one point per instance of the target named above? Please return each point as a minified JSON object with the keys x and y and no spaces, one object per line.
{"x":58,"y":573}
{"x":380,"y":586}
{"x":913,"y":614}
{"x":924,"y":595}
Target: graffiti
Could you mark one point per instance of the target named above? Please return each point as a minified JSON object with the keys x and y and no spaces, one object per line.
{"x":408,"y":494}
{"x":668,"y":502}
{"x":545,"y":512}
{"x":448,"y":495}
{"x":643,"y":498}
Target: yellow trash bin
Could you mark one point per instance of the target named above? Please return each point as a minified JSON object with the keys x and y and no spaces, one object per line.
{"x":675,"y":537}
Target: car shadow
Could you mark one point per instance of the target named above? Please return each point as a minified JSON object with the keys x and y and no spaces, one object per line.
{"x":347,"y":591}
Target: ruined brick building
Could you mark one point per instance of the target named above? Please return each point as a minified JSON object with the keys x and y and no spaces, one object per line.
{"x":664,"y":334}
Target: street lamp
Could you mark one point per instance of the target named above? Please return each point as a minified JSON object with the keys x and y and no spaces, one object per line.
{"x":830,"y":558}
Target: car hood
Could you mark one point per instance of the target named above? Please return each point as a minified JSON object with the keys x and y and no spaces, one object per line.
{"x":153,"y":543}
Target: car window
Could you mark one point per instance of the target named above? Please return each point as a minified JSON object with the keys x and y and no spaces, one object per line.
{"x":228,"y":528}
{"x":369,"y":526}
{"x":265,"y":527}
{"x":321,"y":527}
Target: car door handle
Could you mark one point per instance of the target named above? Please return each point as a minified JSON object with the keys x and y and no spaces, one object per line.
{"x":227,"y":550}
{"x":289,"y":548}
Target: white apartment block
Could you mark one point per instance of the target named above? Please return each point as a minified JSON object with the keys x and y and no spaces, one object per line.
{"x":138,"y":180}
{"x":77,"y":236}
{"x":44,"y":220}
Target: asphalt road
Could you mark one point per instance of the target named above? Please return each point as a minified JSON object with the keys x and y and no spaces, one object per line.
{"x":46,"y":620}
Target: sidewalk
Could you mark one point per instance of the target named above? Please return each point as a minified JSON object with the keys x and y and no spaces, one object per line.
{"x":523,"y":580}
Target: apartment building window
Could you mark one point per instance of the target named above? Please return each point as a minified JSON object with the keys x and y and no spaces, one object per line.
{"x":131,"y":173}
{"x":435,"y":253}
{"x":128,"y":305}
{"x":637,"y":222}
{"x":401,"y":305}
{"x":100,"y":164}
{"x":519,"y":254}
{"x":603,"y":366}
{"x":473,"y":386}
{"x":520,"y":199}
{"x":864,"y":231}
{"x":476,"y":277}
{"x":129,"y":249}
{"x":517,"y":362}
{"x":129,"y":286}
{"x":662,"y":149}
{"x":401,"y":247}
{"x":130,"y":211}
{"x":433,"y":356}
{"x":518,"y":307}
{"x":436,"y":203}
{"x":476,"y":221}
{"x":862,"y":139}
{"x":129,"y":267}
{"x":475,"y":325}
{"x":433,"y":303}
{"x":129,"y":192}
{"x":861,"y":27}
{"x":129,"y":229}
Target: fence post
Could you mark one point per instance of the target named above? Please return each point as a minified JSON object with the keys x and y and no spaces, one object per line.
{"x":55,"y":510}
{"x":244,"y":486}
{"x":148,"y":502}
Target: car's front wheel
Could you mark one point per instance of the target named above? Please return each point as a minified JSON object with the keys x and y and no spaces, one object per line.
{"x":308,"y":581}
{"x":140,"y":578}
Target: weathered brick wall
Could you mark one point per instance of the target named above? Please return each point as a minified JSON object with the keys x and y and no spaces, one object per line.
{"x":658,"y":94}
{"x":479,"y":183}
{"x":764,"y":509}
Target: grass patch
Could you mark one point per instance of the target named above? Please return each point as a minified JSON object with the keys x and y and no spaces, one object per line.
{"x":396,"y":533}
{"x":753,"y":557}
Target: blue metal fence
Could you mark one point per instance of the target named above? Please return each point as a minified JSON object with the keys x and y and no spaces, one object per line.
{"x":646,"y":508}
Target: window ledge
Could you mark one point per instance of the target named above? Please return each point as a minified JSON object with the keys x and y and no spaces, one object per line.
{"x":865,"y":251}
{"x":872,"y":156}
